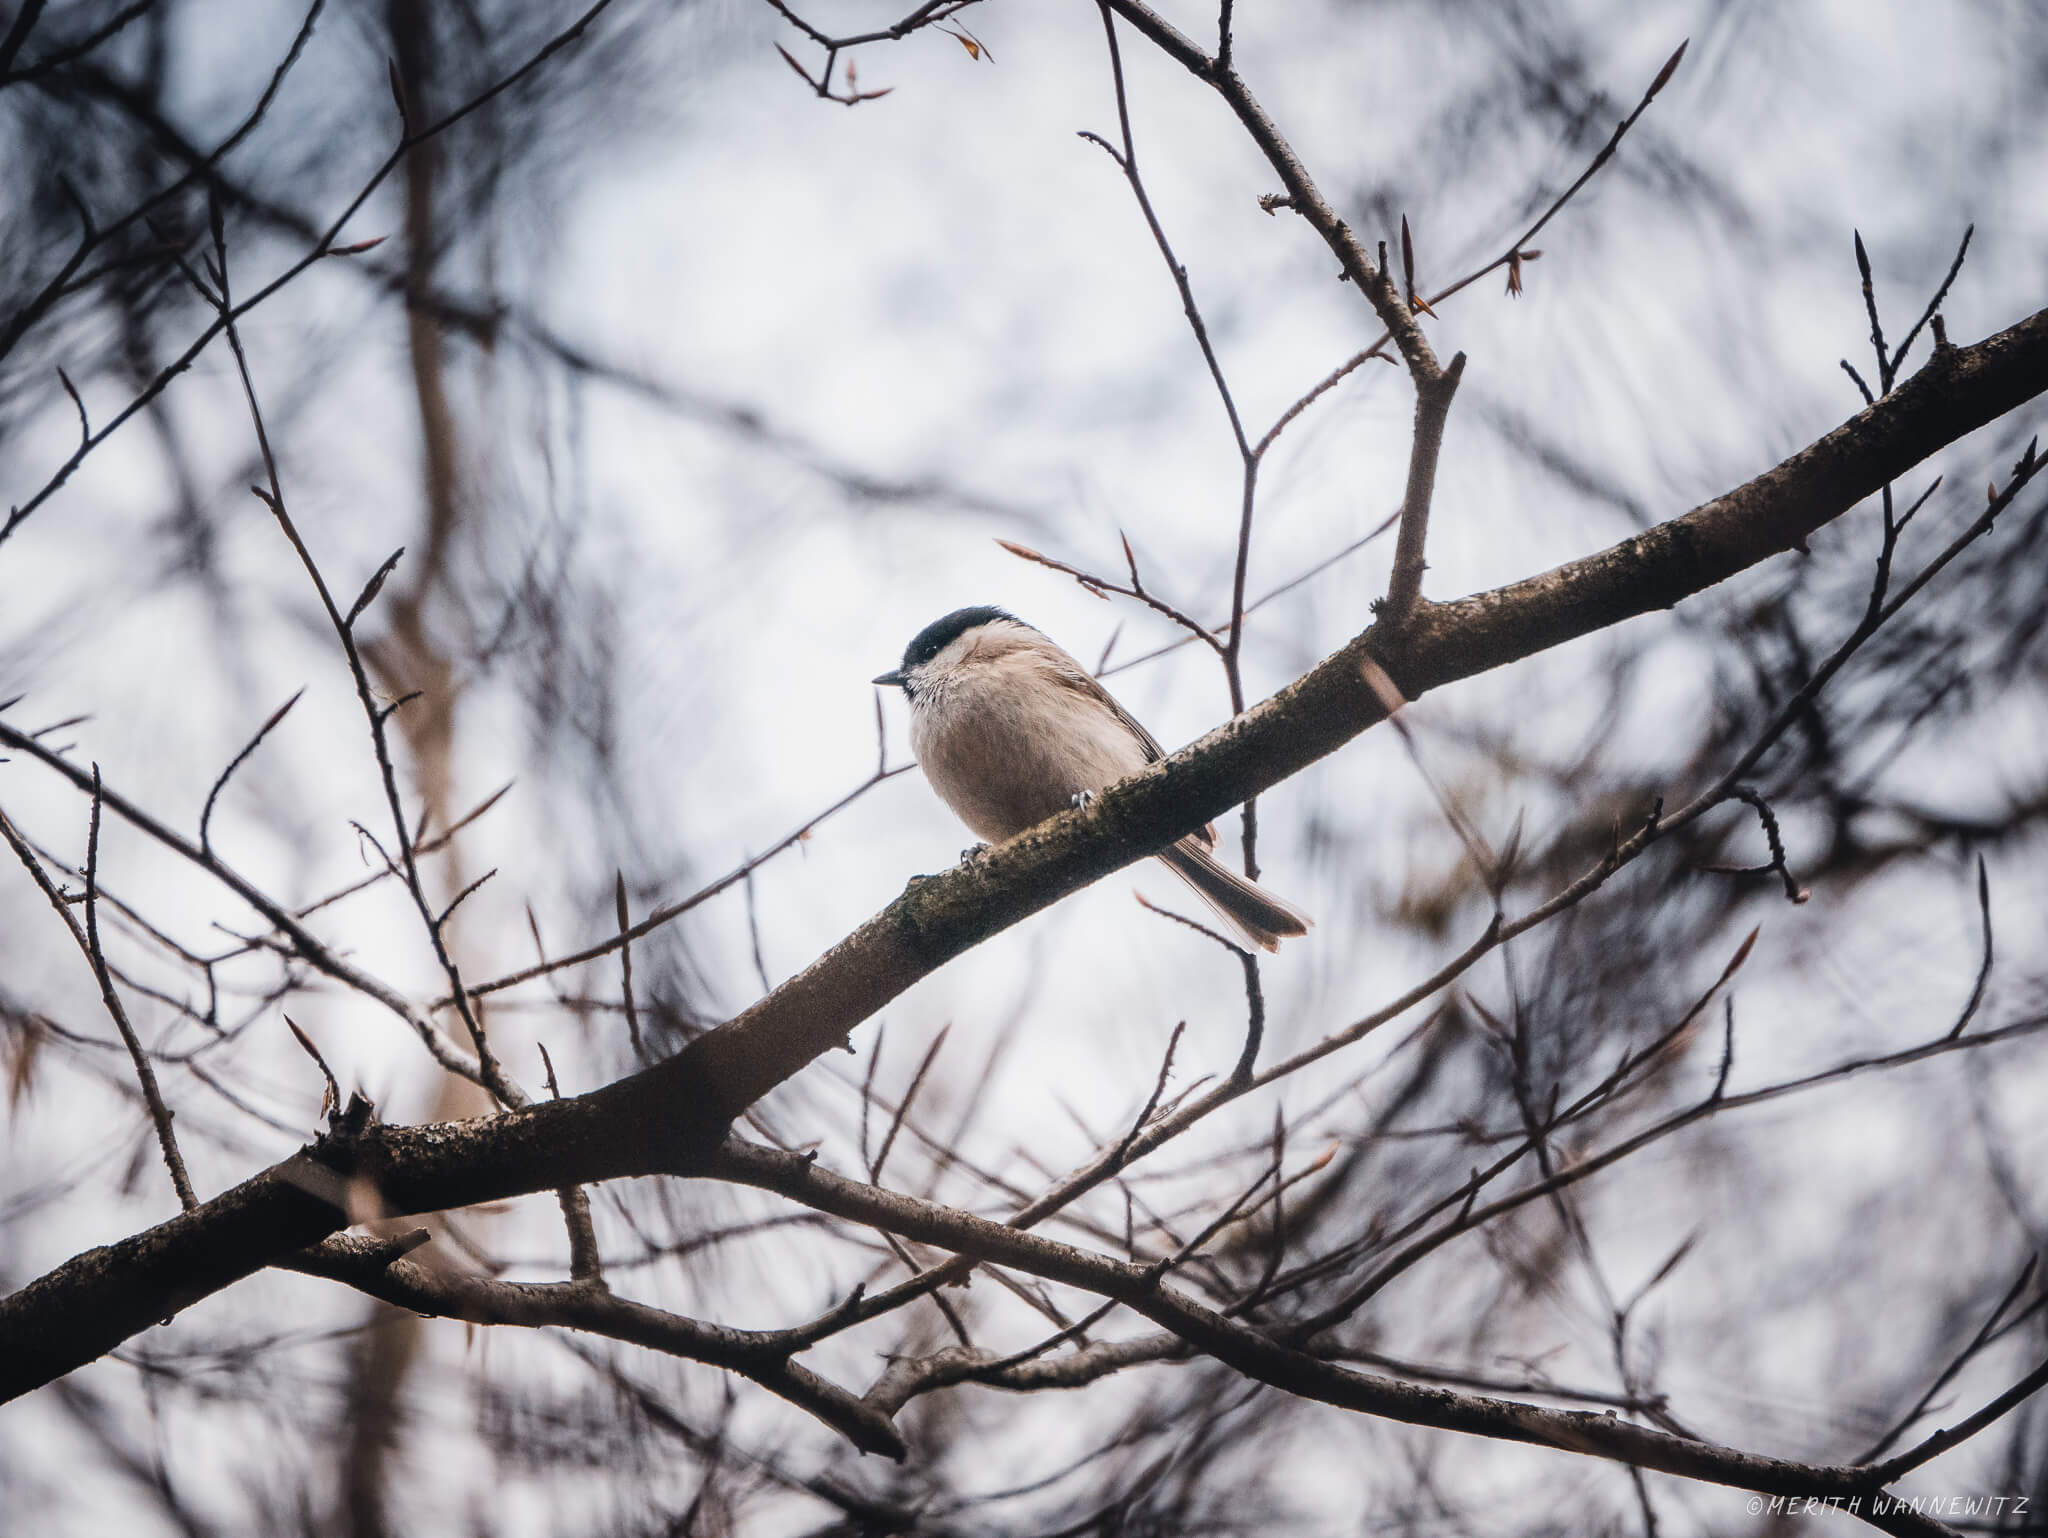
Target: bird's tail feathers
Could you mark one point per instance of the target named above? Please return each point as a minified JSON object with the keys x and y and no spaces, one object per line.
{"x":1252,"y":913}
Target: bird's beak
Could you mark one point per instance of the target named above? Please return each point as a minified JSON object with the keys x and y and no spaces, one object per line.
{"x":895,"y":678}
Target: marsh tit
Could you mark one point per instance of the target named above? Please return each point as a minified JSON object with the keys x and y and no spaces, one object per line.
{"x":1010,"y":730}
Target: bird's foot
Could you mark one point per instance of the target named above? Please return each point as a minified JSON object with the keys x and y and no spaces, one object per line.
{"x":975,"y":855}
{"x":1081,"y":799}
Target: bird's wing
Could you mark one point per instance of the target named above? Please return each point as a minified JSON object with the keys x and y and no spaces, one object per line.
{"x":1081,"y":683}
{"x":1077,"y":678}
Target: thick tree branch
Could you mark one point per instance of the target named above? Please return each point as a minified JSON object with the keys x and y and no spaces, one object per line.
{"x":671,"y":1117}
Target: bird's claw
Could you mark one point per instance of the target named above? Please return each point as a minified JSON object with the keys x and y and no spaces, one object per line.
{"x":968,"y":857}
{"x":1081,"y":799}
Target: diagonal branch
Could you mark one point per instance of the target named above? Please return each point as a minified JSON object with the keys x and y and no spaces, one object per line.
{"x":671,"y":1117}
{"x":760,"y":1355}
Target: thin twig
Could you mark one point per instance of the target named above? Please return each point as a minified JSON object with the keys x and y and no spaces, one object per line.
{"x":1963,"y":1430}
{"x":626,"y":967}
{"x":669,"y":911}
{"x":206,"y":814}
{"x":1984,"y":967}
{"x":1255,"y":1018}
{"x":1127,"y":162}
{"x":903,"y":1108}
{"x":1985,"y":1334}
{"x":1753,"y":798}
{"x":1934,"y":305}
{"x":1158,"y":1089}
{"x":1102,"y":586}
{"x":87,"y":938}
{"x":330,"y":1097}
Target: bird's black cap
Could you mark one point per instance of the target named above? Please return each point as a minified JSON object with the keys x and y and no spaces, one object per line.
{"x":941,"y":633}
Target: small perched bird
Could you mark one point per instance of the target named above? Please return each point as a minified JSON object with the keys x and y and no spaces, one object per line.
{"x":1010,"y":730}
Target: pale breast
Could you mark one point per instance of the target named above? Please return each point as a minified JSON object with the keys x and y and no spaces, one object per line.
{"x":1009,"y":745}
